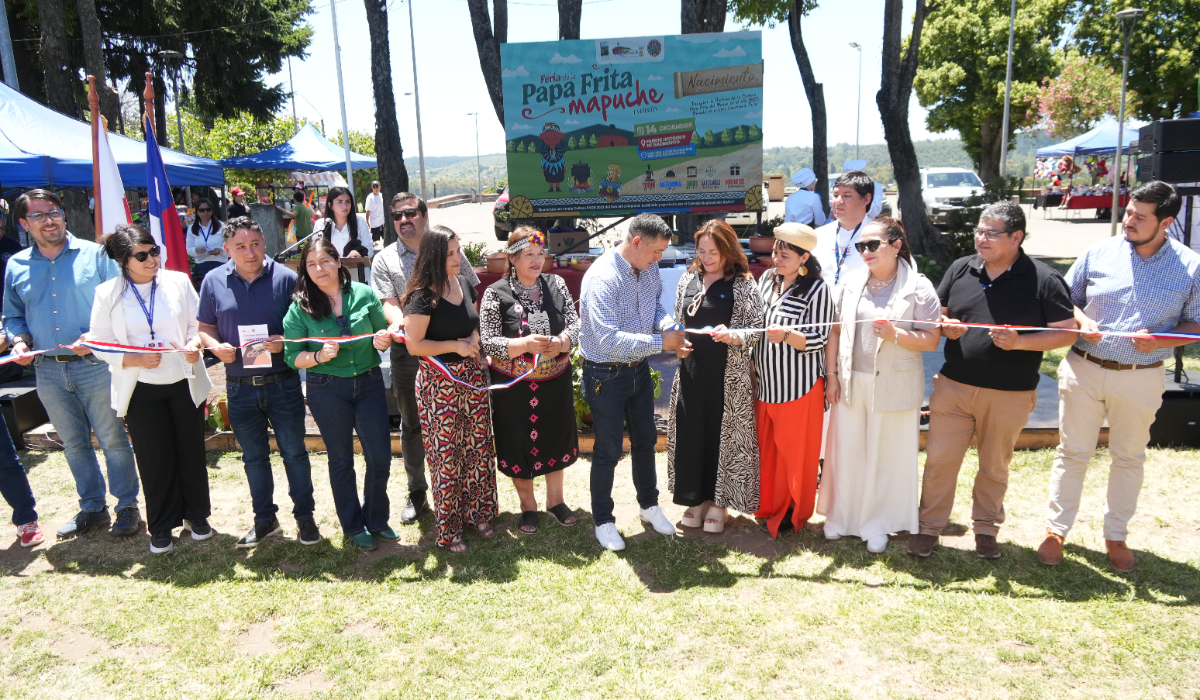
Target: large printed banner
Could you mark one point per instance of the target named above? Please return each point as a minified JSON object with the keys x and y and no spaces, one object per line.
{"x":621,"y":126}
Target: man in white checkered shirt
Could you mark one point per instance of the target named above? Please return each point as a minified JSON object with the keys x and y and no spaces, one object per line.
{"x":1142,"y":283}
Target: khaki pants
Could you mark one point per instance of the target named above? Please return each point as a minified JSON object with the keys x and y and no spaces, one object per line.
{"x":957,"y":413}
{"x":1088,"y":394}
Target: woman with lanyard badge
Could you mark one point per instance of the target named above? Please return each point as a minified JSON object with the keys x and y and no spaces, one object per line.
{"x":205,"y":242}
{"x":343,"y":226}
{"x":345,"y":385}
{"x":789,"y":406}
{"x":529,"y":313}
{"x":160,"y":395}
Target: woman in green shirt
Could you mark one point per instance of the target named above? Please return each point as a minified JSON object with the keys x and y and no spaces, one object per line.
{"x":345,"y":384}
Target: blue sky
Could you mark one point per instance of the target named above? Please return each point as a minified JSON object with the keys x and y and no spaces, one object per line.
{"x":452,"y":85}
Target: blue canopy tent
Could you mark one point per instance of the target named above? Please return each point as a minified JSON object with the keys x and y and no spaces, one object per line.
{"x":307,"y":150}
{"x":1102,"y":139}
{"x":40,"y":147}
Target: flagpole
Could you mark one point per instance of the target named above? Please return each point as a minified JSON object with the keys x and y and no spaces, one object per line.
{"x":148,"y":97}
{"x":94,"y":106}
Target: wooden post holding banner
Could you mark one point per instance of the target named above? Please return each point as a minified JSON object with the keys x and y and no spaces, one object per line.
{"x":148,"y":96}
{"x":94,"y":107}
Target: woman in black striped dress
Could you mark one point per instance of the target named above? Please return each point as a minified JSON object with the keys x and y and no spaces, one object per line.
{"x":789,"y":403}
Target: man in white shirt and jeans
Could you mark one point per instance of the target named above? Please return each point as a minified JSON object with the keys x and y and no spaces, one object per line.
{"x":374,"y":207}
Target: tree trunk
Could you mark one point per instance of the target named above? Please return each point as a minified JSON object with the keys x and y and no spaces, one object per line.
{"x":893,"y":97}
{"x":79,"y":217}
{"x":489,"y":34}
{"x":60,"y":83}
{"x":701,"y":16}
{"x":569,"y":13}
{"x":93,"y":56}
{"x":989,"y":148}
{"x":816,"y":102}
{"x":393,"y":176}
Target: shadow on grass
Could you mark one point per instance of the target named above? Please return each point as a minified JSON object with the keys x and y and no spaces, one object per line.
{"x":32,"y":459}
{"x":663,"y":564}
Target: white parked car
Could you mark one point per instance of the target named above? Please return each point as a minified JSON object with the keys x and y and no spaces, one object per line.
{"x":947,"y":189}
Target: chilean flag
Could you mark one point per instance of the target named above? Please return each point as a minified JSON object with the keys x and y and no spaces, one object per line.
{"x":164,"y":219}
{"x":110,"y":202}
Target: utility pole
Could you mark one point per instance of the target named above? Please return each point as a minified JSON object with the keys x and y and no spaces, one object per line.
{"x":1012,"y":25}
{"x":7,"y":61}
{"x":1131,"y":14}
{"x":478,"y":171}
{"x":178,"y":58}
{"x":337,"y":56}
{"x":417,"y":98}
{"x":858,"y":117}
{"x":292,"y":85}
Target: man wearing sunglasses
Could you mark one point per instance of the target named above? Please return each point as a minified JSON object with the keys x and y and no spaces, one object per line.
{"x":389,"y":277}
{"x":988,"y":385}
{"x":48,"y":293}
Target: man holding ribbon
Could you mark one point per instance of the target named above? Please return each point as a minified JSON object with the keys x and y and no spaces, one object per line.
{"x":245,"y":302}
{"x":48,"y":293}
{"x":619,"y":324}
{"x":1140,"y":284}
{"x":988,"y":385}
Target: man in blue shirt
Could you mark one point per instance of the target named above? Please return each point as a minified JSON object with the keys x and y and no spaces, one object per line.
{"x":243,"y":301}
{"x":48,"y":292}
{"x":620,"y":315}
{"x":1141,"y":283}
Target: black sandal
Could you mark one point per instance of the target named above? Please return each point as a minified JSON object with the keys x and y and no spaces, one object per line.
{"x":528,"y":524}
{"x":563,"y":515}
{"x":486,"y":531}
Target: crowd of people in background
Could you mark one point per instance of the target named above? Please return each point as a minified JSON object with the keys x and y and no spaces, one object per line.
{"x":795,"y":394}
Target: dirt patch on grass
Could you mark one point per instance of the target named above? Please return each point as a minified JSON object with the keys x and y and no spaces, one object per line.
{"x":257,"y":639}
{"x":362,"y":628}
{"x":80,"y":647}
{"x":309,"y":683}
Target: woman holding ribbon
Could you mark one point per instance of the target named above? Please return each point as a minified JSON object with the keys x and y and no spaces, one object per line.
{"x":345,"y":384}
{"x":441,"y":325}
{"x":160,"y":394}
{"x":523,"y":316}
{"x":875,"y":382}
{"x":789,"y":406}
{"x":205,"y":242}
{"x":712,"y":450}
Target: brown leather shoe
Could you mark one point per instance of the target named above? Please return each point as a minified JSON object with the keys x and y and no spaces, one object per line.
{"x":1119,"y":556}
{"x":986,"y":547}
{"x":922,"y":545}
{"x":1050,"y":553}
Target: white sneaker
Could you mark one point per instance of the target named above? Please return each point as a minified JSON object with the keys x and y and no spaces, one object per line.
{"x":657,"y":518}
{"x":877,"y":545}
{"x":832,"y":536}
{"x":609,"y":537}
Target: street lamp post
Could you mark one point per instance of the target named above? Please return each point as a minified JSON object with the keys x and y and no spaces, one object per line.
{"x":1127,"y":28}
{"x":478,"y":171}
{"x":1012,"y":25}
{"x":417,"y":98}
{"x":292,"y":85}
{"x":858,"y":116}
{"x":178,"y":57}
{"x":337,"y":59}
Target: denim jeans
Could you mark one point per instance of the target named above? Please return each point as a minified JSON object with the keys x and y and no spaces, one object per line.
{"x":404,"y":389}
{"x":617,"y":396}
{"x":14,"y":485}
{"x":282,"y":405}
{"x":78,"y":398}
{"x":340,"y":405}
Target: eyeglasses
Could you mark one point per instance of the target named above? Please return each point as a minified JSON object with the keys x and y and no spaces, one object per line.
{"x":344,"y":324}
{"x":989,"y":234}
{"x":398,"y":214}
{"x":871,"y":246}
{"x":204,"y":210}
{"x":152,"y":253}
{"x":40,"y":217}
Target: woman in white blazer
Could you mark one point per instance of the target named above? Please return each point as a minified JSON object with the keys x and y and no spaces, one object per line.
{"x":161,"y":395}
{"x":874,"y":383}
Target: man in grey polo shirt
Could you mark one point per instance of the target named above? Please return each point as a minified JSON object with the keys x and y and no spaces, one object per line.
{"x":390,"y":271}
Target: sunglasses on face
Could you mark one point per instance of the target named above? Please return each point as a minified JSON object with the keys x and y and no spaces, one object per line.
{"x":41,"y":216}
{"x":205,"y":210}
{"x":869,"y":246}
{"x":398,"y":214}
{"x":143,"y":255}
{"x":988,"y":234}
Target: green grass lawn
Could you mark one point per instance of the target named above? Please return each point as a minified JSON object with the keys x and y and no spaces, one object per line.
{"x":553,"y":615}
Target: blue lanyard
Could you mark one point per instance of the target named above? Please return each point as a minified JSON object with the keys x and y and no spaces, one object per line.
{"x":840,"y":254}
{"x":206,"y":234}
{"x":149,"y":312}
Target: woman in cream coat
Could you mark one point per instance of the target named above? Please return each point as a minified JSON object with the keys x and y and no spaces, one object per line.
{"x":875,"y":380}
{"x":160,"y":395}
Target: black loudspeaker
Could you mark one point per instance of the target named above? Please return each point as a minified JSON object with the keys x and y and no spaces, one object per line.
{"x":1178,"y":421}
{"x":1180,"y":166}
{"x":1170,"y":135}
{"x":23,"y":411}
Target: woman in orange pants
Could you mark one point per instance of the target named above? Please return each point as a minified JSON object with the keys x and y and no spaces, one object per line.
{"x":789,"y":404}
